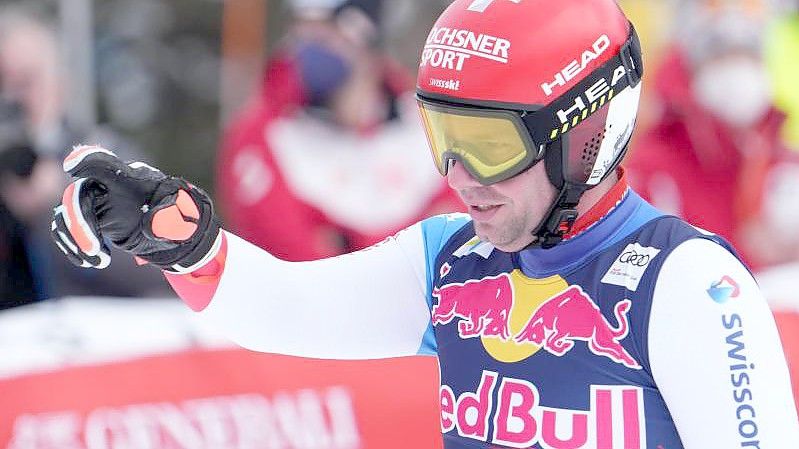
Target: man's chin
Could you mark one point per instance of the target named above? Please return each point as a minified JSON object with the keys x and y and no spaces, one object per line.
{"x":487,"y":233}
{"x":511,"y":247}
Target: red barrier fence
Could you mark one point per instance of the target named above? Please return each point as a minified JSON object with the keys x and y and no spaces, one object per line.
{"x":788,"y":324}
{"x":100,"y":374}
{"x":224,"y":399}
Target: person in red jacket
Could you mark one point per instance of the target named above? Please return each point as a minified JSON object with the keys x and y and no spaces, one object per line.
{"x":310,"y":169}
{"x":715,"y":149}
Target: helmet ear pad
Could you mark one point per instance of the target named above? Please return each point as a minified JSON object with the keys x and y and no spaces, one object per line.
{"x":553,"y":160}
{"x":555,"y":163}
{"x":592,"y":150}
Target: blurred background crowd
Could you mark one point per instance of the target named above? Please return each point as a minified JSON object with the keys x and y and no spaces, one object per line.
{"x":298,"y":117}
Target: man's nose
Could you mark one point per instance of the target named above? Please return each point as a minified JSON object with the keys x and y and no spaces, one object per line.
{"x":459,"y":178}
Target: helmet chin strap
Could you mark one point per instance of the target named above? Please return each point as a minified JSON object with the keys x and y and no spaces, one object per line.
{"x":560,"y":217}
{"x":562,"y":213}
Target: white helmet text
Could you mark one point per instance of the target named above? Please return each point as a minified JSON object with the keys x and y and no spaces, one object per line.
{"x":592,"y":95}
{"x":449,"y":48}
{"x":575,"y":67}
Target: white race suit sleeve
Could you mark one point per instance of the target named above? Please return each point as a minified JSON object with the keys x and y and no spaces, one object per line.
{"x":367,"y":304}
{"x":715,"y":353}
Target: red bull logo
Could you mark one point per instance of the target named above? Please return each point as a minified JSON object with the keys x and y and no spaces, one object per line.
{"x":572,"y":315}
{"x":516,"y":316}
{"x":615,"y":418}
{"x":483,"y":306}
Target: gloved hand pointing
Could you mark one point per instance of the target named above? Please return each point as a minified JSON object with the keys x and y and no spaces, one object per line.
{"x":161,"y":219}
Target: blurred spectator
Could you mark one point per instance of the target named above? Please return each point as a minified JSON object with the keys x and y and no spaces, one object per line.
{"x":34,"y":135}
{"x":718,"y":133}
{"x":28,"y":185}
{"x":330,"y":156}
{"x":782,"y":58}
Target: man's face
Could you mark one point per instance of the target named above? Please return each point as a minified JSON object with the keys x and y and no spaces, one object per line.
{"x":505,"y":213}
{"x":29,"y":73}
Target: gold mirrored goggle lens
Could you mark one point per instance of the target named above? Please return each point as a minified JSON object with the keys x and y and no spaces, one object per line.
{"x":488,"y":144}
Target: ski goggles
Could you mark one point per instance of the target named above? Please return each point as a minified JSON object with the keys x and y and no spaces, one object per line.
{"x":495,"y":143}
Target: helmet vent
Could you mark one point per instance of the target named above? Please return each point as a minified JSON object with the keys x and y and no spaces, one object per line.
{"x":591,"y":150}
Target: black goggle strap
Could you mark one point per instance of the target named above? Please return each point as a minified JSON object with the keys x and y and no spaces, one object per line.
{"x":589,"y":95}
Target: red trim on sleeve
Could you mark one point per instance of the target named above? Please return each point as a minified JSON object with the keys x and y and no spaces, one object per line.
{"x":197,"y":288}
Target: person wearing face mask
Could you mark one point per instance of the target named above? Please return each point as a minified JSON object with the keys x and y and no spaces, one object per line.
{"x":28,"y":186}
{"x":310,"y":169}
{"x":714,"y":155}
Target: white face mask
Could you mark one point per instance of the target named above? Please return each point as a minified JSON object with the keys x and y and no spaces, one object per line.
{"x":737,"y":90}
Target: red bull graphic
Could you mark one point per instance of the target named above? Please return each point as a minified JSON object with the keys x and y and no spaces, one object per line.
{"x":516,"y":316}
{"x":572,"y":315}
{"x":483,"y":311}
{"x":615,"y":418}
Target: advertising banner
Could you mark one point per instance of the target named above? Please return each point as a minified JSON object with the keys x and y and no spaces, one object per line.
{"x":224,"y":399}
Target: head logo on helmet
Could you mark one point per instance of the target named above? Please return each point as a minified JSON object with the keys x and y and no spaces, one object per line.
{"x":574,"y":67}
{"x":547,"y":80}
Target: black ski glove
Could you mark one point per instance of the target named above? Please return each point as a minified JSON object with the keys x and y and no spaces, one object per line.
{"x":161,"y":219}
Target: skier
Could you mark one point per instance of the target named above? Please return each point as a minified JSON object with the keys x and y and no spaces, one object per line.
{"x":564,"y":310}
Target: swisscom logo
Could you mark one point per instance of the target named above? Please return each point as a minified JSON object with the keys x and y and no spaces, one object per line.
{"x":722,"y":290}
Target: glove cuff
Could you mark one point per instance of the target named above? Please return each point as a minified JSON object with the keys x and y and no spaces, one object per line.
{"x":199,"y":256}
{"x":194,"y":252}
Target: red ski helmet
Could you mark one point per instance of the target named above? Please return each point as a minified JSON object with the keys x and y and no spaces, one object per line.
{"x":504,"y":84}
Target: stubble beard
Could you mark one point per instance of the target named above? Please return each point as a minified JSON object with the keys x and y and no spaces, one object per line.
{"x":509,"y":236}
